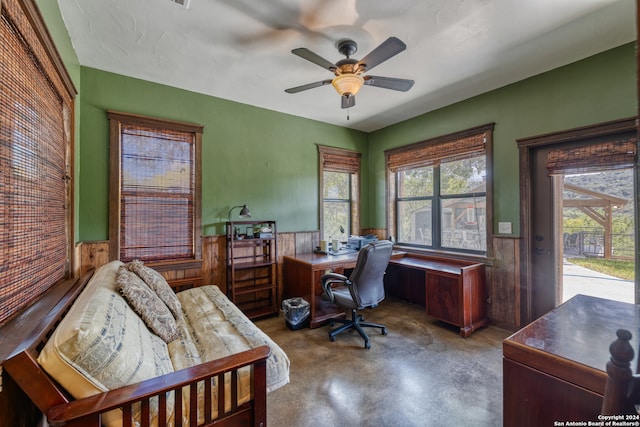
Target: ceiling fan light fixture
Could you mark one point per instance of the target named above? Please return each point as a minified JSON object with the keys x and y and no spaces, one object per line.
{"x":347,"y":84}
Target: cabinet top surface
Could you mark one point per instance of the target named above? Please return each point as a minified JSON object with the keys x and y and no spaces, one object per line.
{"x":444,"y":265}
{"x":580,"y":330}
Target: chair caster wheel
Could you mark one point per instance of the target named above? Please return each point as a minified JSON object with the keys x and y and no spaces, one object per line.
{"x":332,"y":338}
{"x":367,"y":345}
{"x":384,"y":331}
{"x":332,"y":323}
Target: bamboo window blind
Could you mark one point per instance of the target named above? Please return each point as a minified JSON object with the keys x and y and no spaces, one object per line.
{"x":428,"y":153}
{"x":338,"y":160}
{"x":35,"y":148}
{"x":157,"y":193}
{"x":609,"y":155}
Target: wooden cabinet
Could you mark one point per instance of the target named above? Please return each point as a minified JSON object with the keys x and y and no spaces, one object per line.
{"x":554,"y":368}
{"x":252,"y":282}
{"x":455,"y":290}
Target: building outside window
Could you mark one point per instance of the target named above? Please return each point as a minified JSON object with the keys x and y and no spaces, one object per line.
{"x":438,"y":192}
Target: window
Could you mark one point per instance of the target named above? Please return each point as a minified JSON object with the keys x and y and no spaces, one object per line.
{"x":155,"y":194}
{"x":438,"y":192}
{"x":36,"y":117}
{"x":339,"y":193}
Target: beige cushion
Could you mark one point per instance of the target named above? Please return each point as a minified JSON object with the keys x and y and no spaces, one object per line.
{"x":102,"y":344}
{"x":147,"y":304}
{"x":218,"y":328}
{"x":159,"y":285}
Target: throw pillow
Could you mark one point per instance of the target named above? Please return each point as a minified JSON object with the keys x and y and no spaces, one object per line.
{"x":159,"y":285}
{"x":146,"y":303}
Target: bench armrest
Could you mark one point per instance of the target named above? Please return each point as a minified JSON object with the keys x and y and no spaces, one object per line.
{"x":86,"y":411}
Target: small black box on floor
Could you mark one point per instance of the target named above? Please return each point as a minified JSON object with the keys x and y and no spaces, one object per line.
{"x":296,"y":313}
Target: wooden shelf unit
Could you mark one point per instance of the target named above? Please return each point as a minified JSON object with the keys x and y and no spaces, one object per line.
{"x":252,"y":273}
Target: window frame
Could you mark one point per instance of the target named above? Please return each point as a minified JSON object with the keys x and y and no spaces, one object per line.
{"x":332,"y":159}
{"x":410,"y":153}
{"x":116,"y":120}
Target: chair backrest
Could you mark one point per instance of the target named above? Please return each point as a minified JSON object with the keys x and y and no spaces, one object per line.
{"x":622,"y":389}
{"x":368,"y":274}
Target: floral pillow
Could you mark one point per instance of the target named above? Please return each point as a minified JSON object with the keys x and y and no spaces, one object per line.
{"x":159,"y":285}
{"x":147,"y":304}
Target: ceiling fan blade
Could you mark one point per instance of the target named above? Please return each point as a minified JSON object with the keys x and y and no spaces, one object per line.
{"x":392,"y":83}
{"x":348,"y":101}
{"x":387,"y":49}
{"x":305,"y":53}
{"x":307,"y":86}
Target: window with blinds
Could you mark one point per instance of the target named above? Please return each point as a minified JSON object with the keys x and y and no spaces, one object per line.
{"x":339,"y":192}
{"x":36,"y":99}
{"x":156,"y":175}
{"x":438,"y":191}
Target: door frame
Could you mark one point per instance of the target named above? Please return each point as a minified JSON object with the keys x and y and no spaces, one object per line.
{"x":526,"y":147}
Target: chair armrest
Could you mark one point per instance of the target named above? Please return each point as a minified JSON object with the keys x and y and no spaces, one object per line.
{"x":331,"y":278}
{"x":86,"y":411}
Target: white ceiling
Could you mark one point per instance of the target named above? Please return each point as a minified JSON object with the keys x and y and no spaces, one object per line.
{"x":241,"y":49}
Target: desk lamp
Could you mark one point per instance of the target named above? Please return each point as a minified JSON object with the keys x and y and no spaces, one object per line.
{"x":341,"y":229}
{"x":244,"y":212}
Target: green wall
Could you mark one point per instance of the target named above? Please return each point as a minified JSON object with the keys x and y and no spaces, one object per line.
{"x":269,"y":160}
{"x":594,"y":90}
{"x":250,"y":155}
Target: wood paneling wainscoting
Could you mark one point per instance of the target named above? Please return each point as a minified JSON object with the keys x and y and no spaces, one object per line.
{"x":502,"y":278}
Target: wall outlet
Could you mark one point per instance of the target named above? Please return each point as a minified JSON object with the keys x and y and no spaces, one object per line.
{"x":504,"y":227}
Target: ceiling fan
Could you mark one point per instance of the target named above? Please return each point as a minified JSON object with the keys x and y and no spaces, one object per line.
{"x":348,"y":72}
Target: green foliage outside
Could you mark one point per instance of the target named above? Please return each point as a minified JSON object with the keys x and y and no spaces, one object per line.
{"x":621,"y":269}
{"x":337,"y":205}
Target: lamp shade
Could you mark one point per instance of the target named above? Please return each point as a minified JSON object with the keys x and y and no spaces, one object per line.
{"x":244,"y":212}
{"x":347,"y":84}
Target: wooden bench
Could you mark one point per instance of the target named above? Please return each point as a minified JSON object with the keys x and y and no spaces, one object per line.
{"x":61,"y":409}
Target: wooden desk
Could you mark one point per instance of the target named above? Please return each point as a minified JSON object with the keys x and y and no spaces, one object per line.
{"x":452,"y":291}
{"x":302,"y":274}
{"x":554,"y":368}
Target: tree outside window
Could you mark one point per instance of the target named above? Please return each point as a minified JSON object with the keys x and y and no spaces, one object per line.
{"x":336,"y":204}
{"x":339,"y":193}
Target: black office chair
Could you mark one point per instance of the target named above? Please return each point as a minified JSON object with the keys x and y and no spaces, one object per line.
{"x":363,"y":289}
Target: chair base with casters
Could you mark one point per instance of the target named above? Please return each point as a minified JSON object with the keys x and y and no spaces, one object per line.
{"x":356,"y":322}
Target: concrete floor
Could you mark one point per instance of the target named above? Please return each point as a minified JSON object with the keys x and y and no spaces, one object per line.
{"x":580,"y":280}
{"x":421,"y":374}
